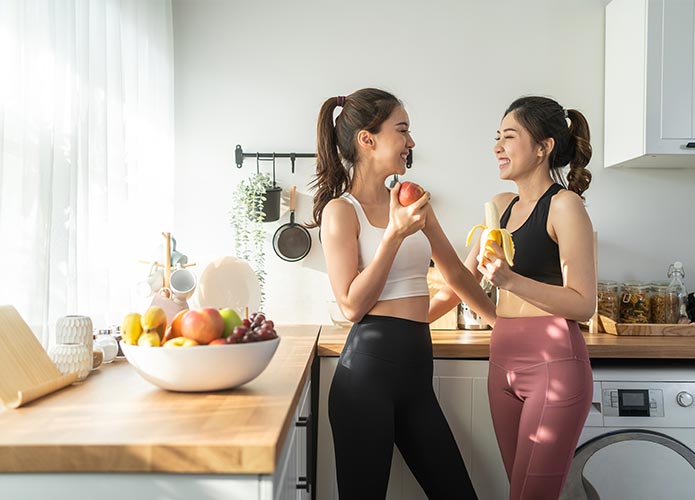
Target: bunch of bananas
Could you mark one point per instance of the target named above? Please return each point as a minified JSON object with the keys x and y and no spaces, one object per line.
{"x":492,"y":232}
{"x":144,"y":330}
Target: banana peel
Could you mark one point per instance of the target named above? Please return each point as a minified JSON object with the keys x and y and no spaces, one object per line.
{"x":492,"y":232}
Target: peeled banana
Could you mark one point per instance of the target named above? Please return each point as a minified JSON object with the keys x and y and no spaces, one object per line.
{"x":493,"y":232}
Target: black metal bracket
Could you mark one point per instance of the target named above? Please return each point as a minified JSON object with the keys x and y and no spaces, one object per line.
{"x":240,"y":155}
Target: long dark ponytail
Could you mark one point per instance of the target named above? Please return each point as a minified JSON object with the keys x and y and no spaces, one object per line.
{"x":365,"y":109}
{"x":545,"y":118}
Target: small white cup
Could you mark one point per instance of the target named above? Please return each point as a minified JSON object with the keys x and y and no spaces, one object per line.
{"x":182,"y":283}
{"x":151,"y":284}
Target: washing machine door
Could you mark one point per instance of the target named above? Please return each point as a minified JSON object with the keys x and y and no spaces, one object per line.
{"x":631,"y":464}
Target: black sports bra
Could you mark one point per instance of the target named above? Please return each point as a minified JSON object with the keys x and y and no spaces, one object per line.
{"x":537,"y":256}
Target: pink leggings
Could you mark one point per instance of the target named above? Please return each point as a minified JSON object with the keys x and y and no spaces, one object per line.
{"x":540,"y":388}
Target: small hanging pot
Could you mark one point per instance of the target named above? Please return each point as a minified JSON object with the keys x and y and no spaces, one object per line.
{"x":271,"y":204}
{"x":292,"y":241}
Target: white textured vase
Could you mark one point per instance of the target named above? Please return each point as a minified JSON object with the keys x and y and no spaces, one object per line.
{"x":70,"y":358}
{"x":74,"y":346}
{"x":74,"y":330}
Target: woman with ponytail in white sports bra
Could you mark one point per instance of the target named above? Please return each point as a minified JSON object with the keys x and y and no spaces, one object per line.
{"x":377,"y":255}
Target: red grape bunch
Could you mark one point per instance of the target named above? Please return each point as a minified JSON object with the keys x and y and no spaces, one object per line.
{"x":253,"y":329}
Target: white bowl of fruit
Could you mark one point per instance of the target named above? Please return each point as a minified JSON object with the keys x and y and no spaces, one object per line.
{"x":201,"y":350}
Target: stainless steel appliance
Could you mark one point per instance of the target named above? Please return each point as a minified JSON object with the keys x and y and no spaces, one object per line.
{"x":468,"y":319}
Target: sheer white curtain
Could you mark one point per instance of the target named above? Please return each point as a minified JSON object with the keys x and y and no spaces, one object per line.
{"x":86,"y":153}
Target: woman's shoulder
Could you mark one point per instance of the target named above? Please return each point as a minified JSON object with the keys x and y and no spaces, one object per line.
{"x":339,"y":211}
{"x":502,"y":200}
{"x":566,"y":200}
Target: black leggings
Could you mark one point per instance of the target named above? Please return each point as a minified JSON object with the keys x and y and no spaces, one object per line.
{"x":382,"y":394}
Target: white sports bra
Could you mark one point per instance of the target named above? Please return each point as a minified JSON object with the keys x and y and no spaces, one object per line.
{"x":408,"y":275}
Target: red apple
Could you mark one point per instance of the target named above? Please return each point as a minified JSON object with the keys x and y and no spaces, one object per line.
{"x":202,"y":325}
{"x":409,"y":193}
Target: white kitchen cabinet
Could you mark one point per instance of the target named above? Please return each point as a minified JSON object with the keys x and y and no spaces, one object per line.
{"x":461,"y":386}
{"x":650,"y":84}
{"x":290,"y":479}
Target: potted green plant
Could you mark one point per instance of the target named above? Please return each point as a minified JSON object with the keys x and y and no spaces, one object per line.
{"x":247,"y":217}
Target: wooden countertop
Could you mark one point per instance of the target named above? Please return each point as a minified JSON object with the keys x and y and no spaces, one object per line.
{"x":470,"y":344}
{"x":115,"y":421}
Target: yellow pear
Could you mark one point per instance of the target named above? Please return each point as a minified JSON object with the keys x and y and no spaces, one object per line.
{"x":149,"y":339}
{"x":154,"y":319}
{"x":131,"y":328}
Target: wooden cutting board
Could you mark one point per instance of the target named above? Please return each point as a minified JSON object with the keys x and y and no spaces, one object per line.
{"x":26,"y":371}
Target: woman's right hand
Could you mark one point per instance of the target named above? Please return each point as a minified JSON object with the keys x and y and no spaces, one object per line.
{"x":404,"y":221}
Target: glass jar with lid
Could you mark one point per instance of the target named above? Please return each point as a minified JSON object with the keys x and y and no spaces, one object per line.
{"x":608,"y":299}
{"x":634,"y":302}
{"x":663,"y":303}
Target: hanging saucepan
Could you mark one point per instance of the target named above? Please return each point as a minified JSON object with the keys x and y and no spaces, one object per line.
{"x":292,"y":241}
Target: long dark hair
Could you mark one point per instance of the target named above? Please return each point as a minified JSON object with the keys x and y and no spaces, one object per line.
{"x":365,"y":109}
{"x":545,"y":118}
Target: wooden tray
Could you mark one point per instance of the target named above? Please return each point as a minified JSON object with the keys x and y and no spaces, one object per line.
{"x":607,"y":325}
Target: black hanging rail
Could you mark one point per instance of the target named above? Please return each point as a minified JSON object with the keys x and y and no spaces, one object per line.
{"x":240,"y":155}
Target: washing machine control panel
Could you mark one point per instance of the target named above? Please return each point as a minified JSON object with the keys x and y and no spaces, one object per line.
{"x":633,"y":402}
{"x":637,"y":403}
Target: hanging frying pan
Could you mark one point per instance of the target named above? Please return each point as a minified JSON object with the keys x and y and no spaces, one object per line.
{"x":292,"y":241}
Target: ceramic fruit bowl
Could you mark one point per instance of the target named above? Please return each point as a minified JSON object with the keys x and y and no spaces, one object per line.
{"x":201,"y":368}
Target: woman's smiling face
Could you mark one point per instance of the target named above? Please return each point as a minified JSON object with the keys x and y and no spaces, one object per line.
{"x":394,"y":141}
{"x":515,"y":149}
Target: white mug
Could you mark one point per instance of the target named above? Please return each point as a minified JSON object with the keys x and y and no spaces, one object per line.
{"x":182,"y":283}
{"x":151,"y":284}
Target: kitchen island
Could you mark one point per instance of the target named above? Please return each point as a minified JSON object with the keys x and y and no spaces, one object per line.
{"x":97,"y":438}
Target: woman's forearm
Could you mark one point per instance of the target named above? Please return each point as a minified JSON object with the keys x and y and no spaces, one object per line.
{"x":442,"y":302}
{"x":553,"y":299}
{"x":364,"y":291}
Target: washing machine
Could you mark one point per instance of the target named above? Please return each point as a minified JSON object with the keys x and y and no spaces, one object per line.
{"x":638,"y":442}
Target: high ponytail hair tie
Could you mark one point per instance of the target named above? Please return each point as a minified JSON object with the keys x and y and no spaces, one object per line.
{"x":341,"y":100}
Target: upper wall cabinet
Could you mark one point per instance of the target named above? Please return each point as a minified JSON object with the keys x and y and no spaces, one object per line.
{"x":650,"y":84}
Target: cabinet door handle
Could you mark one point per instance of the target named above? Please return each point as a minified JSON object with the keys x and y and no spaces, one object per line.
{"x":690,"y":145}
{"x":306,"y":422}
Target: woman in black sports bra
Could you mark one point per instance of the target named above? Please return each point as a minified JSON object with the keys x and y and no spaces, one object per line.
{"x":539,"y":380}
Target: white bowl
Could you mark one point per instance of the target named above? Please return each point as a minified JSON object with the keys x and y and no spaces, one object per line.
{"x":201,"y":368}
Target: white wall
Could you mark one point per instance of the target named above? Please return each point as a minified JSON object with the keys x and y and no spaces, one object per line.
{"x":256,"y":73}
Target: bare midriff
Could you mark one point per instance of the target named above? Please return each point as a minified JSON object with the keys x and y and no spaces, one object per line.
{"x":513,"y":306}
{"x":412,"y":308}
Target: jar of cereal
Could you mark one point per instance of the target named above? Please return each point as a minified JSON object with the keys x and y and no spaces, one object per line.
{"x":663,"y":304}
{"x":608,"y":303}
{"x":634,"y":302}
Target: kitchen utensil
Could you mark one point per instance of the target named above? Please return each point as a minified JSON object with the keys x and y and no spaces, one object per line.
{"x":292,"y":241}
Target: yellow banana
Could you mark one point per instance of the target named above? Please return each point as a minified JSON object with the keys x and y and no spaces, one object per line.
{"x":154,"y":320}
{"x":131,"y":328}
{"x":492,"y":232}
